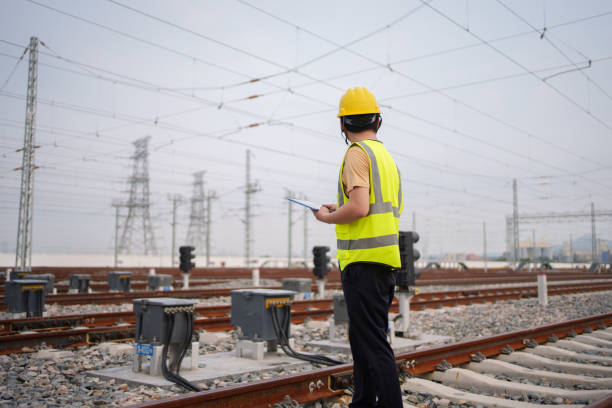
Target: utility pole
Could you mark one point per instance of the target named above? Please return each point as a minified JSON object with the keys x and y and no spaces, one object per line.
{"x":116,"y":206}
{"x":139,"y":202}
{"x":571,"y":250}
{"x":413,"y":221}
{"x":484,"y":245}
{"x":533,"y":241}
{"x":515,"y":221}
{"x":289,"y":228}
{"x":197,"y":219}
{"x":306,"y":211}
{"x":176,"y":200}
{"x":250,"y":189}
{"x":593,"y":234}
{"x":23,"y":248}
{"x":209,"y":198}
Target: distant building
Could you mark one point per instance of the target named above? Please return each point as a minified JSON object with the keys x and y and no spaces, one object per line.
{"x":538,"y":250}
{"x":581,"y":252}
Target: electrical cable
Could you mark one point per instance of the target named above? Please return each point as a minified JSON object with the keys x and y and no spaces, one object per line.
{"x":167,"y":373}
{"x":284,"y":341}
{"x":429,"y":122}
{"x":10,"y":75}
{"x":520,"y":65}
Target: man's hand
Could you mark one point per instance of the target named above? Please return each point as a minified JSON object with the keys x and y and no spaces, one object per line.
{"x":356,"y":207}
{"x":330,"y":207}
{"x":323,"y":213}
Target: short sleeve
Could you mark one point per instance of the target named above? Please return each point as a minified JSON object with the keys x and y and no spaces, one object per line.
{"x":356,"y":171}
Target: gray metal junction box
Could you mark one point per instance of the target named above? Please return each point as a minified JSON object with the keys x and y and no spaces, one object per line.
{"x":80,"y":282}
{"x":340,"y":312}
{"x":160,"y":281}
{"x":252,"y":312}
{"x":19,"y":273}
{"x":120,"y":280}
{"x":48,"y":277}
{"x":152,"y":319}
{"x":25,"y":296}
{"x":299,"y":285}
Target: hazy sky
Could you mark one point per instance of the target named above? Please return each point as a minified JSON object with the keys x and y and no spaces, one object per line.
{"x":472,"y":96}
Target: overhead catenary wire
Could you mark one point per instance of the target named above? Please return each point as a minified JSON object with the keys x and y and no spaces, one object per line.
{"x":522,"y":66}
{"x":364,"y":57}
{"x":438,"y":91}
{"x":12,"y":72}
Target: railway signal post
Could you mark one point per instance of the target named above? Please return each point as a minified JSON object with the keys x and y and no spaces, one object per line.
{"x":321,"y":267}
{"x":406,"y":279}
{"x":186,"y":265}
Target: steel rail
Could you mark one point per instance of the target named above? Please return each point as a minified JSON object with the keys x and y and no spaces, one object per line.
{"x":419,"y":302}
{"x":328,"y":382}
{"x":119,"y":326}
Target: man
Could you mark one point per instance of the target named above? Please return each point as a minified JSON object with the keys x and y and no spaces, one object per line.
{"x":367,"y":223}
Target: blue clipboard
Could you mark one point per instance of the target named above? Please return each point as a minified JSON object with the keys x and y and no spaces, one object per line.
{"x":304,"y":203}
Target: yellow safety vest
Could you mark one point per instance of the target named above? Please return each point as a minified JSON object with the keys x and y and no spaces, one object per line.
{"x":373,"y":238}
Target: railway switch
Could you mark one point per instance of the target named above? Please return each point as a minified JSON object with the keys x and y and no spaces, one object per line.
{"x":303,"y":286}
{"x":252,"y":312}
{"x":48,"y":277}
{"x":340,"y":315}
{"x":120,"y":281}
{"x":79,"y":283}
{"x":160,"y":282}
{"x":164,"y":332}
{"x":25,"y":296}
{"x":340,"y":311}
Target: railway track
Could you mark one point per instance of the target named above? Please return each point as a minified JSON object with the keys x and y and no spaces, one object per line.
{"x":99,"y":275}
{"x":571,"y":361}
{"x":23,"y":335}
{"x":122,"y":297}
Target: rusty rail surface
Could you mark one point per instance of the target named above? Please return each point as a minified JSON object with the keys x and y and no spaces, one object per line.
{"x":328,"y":382}
{"x":61,"y":331}
{"x":99,"y":274}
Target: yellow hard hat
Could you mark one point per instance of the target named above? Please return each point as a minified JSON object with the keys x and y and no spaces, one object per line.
{"x":358,"y":101}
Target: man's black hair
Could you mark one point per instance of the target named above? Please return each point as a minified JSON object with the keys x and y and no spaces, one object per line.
{"x":361,"y":123}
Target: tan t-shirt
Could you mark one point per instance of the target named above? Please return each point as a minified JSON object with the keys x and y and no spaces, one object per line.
{"x":356,"y":171}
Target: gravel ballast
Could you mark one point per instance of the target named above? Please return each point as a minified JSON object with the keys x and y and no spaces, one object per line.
{"x":38,"y":380}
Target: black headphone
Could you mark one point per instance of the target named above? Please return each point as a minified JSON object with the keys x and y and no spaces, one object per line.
{"x":346,"y":120}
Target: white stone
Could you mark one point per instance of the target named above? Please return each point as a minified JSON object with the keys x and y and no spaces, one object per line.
{"x":208,"y":338}
{"x":55,"y":355}
{"x":117,"y":349}
{"x":316,"y":324}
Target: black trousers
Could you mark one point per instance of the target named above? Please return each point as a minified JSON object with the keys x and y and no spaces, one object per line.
{"x":368,"y":292}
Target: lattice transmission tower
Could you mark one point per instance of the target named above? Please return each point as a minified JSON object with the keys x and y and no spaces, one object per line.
{"x":138,"y":218}
{"x":196,"y":233}
{"x":23,"y":252}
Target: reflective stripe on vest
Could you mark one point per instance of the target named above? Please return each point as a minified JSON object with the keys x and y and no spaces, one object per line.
{"x":373,"y":238}
{"x":366,"y":243}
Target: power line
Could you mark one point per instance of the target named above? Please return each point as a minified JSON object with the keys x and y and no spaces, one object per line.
{"x":10,"y":75}
{"x":520,"y":65}
{"x":439,"y":92}
{"x":559,"y":50}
